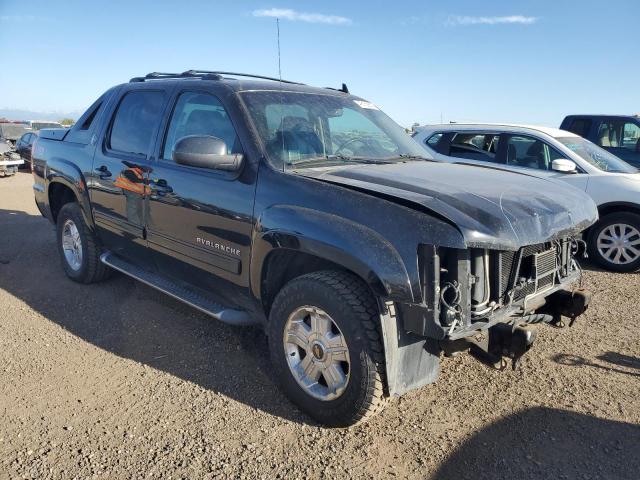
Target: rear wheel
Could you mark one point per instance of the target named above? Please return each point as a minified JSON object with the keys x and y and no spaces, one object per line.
{"x":78,"y":246}
{"x":614,"y":242}
{"x":326,"y":349}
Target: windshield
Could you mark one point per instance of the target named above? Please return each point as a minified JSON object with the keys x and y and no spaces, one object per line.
{"x":303,"y":129}
{"x":596,"y":156}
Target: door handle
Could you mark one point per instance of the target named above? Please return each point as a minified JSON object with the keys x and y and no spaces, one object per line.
{"x":160,"y":187}
{"x":103,"y":172}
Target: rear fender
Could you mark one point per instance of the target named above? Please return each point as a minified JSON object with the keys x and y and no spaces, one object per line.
{"x":64,"y":172}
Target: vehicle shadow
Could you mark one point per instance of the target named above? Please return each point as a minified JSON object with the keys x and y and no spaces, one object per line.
{"x":609,"y":357}
{"x":136,"y":322}
{"x":546,"y":443}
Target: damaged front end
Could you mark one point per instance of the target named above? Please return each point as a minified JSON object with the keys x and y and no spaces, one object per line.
{"x":485,"y":300}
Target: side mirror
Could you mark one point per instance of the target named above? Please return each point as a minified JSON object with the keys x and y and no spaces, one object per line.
{"x":563,"y":165}
{"x":205,"y":151}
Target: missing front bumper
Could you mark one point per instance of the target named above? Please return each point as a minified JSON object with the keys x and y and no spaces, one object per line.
{"x":512,"y":340}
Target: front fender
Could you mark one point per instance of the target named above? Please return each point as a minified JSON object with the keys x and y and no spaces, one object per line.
{"x":356,"y":247}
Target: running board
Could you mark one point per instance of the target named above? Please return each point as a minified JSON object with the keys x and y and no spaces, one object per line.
{"x":186,"y":295}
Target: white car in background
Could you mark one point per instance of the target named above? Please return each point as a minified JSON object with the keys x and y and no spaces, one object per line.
{"x":614,"y":241}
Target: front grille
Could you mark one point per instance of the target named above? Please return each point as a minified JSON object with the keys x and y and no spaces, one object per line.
{"x":536,"y":269}
{"x":545,"y":263}
{"x":545,"y":269}
{"x":505,"y":270}
{"x":533,"y":249}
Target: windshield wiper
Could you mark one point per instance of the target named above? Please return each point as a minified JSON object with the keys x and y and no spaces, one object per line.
{"x":346,"y":158}
{"x":408,"y":156}
{"x":338,"y":159}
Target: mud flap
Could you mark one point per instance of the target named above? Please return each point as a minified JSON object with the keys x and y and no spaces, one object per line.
{"x":412,"y":361}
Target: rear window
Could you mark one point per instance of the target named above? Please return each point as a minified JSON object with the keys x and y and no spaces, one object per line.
{"x":580,"y":126}
{"x":135,"y":122}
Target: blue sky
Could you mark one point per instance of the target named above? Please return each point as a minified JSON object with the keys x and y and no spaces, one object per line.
{"x":462,"y":60}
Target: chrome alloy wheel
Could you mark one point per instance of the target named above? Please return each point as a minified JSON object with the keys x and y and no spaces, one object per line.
{"x":317,"y":353}
{"x":72,"y":245}
{"x":619,"y":243}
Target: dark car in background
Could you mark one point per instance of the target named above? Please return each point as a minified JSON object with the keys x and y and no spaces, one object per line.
{"x":25,"y":145}
{"x":619,"y":134}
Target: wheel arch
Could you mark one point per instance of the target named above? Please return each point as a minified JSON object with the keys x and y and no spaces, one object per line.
{"x":618,"y":207}
{"x":282,"y":265}
{"x":65,"y":183}
{"x":292,"y":241}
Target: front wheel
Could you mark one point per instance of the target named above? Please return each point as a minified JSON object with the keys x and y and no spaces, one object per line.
{"x":326,"y":348}
{"x":614,"y":242}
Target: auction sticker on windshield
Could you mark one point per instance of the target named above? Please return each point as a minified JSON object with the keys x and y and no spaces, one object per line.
{"x":365,"y":104}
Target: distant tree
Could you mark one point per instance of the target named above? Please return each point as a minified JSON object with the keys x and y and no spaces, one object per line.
{"x":3,"y":120}
{"x":67,"y":121}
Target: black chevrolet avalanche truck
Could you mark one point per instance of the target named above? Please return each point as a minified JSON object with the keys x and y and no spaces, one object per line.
{"x":311,"y":213}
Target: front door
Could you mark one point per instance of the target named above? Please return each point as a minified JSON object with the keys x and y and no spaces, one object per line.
{"x":200,"y":220}
{"x":530,"y":153}
{"x":119,"y":180}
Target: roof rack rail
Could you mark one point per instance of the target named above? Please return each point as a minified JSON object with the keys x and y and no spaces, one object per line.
{"x":236,"y":74}
{"x":203,"y":75}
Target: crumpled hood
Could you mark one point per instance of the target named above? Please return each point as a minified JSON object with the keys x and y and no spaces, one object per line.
{"x":492,"y":208}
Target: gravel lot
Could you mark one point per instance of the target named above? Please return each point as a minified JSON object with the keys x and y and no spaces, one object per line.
{"x":115,"y":380}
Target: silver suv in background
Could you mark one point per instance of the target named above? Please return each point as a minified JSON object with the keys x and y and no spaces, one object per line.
{"x":614,"y":241}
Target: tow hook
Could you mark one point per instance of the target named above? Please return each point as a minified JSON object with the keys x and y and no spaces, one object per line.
{"x":492,"y":347}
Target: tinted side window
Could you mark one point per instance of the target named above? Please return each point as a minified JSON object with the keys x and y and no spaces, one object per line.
{"x":474,"y":146}
{"x":619,"y":134}
{"x":198,"y":113}
{"x":86,"y":122}
{"x":580,"y":126}
{"x":631,"y":137}
{"x":135,"y":122}
{"x":434,"y":139}
{"x":523,"y":151}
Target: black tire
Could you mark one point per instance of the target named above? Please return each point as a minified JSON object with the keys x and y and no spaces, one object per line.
{"x":352,"y":307}
{"x":91,"y":268}
{"x":630,"y":219}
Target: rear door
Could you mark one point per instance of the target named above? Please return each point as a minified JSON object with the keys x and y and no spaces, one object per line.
{"x":119,"y":183}
{"x":475,"y":147}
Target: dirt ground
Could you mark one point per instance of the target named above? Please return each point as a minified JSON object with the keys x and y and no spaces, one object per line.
{"x":115,"y":380}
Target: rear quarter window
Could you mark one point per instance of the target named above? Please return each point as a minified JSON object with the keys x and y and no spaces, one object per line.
{"x":135,"y":122}
{"x":434,"y":139}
